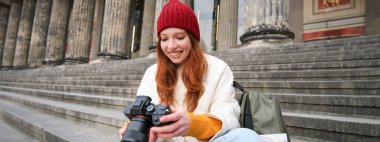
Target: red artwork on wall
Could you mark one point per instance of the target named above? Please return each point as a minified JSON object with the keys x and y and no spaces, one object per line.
{"x":325,"y":4}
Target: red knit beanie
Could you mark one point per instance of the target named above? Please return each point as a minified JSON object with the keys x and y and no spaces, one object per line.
{"x":177,"y":14}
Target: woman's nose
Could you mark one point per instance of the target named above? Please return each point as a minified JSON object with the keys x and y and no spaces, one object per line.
{"x":172,"y":43}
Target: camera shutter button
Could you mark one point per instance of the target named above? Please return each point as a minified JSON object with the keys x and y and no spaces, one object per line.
{"x":163,"y":107}
{"x":150,"y":108}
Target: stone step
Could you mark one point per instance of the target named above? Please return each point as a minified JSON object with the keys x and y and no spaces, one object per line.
{"x":347,"y":74}
{"x":102,"y":83}
{"x":48,"y":73}
{"x":309,"y":66}
{"x":109,"y":119}
{"x":349,"y":43}
{"x":355,"y":105}
{"x":11,"y":133}
{"x":127,"y":92}
{"x":278,"y":51}
{"x":363,"y":73}
{"x":311,"y":59}
{"x":51,"y":128}
{"x":353,"y":87}
{"x":247,"y":53}
{"x":305,"y":139}
{"x":68,"y":78}
{"x":332,"y":127}
{"x":78,"y":98}
{"x":296,"y":58}
{"x":249,"y":63}
{"x":134,"y":80}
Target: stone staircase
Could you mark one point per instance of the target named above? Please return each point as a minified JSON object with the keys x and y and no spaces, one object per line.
{"x":329,"y":91}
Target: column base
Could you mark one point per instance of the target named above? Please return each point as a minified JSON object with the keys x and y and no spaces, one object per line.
{"x":50,"y":63}
{"x":6,"y":67}
{"x":266,"y":33}
{"x":75,"y":60}
{"x":152,"y":52}
{"x":265,"y":43}
{"x":113,"y":56}
{"x":100,"y":59}
{"x":20,"y":67}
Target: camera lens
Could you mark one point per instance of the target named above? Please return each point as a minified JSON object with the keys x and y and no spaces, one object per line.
{"x":138,"y":130}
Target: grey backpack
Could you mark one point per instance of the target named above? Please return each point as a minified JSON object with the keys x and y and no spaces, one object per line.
{"x":261,"y":113}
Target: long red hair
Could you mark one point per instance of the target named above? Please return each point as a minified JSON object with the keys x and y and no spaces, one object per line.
{"x":193,"y":70}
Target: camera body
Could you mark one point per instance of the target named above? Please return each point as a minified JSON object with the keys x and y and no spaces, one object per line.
{"x":143,"y":115}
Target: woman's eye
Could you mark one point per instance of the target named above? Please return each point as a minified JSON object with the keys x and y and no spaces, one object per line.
{"x":164,"y":39}
{"x":180,"y":38}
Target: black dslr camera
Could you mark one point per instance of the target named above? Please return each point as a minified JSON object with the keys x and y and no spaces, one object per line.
{"x":143,"y":115}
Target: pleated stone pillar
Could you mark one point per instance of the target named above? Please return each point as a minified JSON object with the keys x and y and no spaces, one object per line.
{"x":39,"y":33}
{"x":227,"y":29}
{"x":24,"y":33}
{"x":159,"y":5}
{"x":4,"y":12}
{"x":115,"y":29}
{"x":79,"y":32}
{"x":147,"y":27}
{"x":56,"y":39}
{"x":267,"y":23}
{"x":11,"y":36}
{"x":96,"y":30}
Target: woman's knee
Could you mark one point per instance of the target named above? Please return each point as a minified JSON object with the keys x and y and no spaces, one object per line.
{"x":240,"y":134}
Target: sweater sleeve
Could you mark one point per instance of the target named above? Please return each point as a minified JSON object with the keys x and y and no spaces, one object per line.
{"x":223,"y":106}
{"x":203,"y":127}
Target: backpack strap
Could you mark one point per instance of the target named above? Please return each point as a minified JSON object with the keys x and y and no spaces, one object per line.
{"x":237,"y":85}
{"x":245,"y":93}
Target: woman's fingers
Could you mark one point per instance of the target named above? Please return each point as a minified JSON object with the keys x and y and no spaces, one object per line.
{"x":122,"y":130}
{"x":152,"y":136}
{"x":178,"y":128}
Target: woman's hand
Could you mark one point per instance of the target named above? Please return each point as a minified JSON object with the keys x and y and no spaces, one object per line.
{"x":123,"y":129}
{"x":180,"y":125}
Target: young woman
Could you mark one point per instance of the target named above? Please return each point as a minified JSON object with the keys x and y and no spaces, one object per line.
{"x":197,"y":87}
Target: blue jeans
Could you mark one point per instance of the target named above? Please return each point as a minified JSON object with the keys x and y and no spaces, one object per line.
{"x":239,"y":135}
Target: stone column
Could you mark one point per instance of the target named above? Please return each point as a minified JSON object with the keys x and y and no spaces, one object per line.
{"x":159,"y":5}
{"x":189,"y":3}
{"x":11,"y":36}
{"x":227,"y":29}
{"x":39,"y":33}
{"x":96,"y":29}
{"x":266,"y":21}
{"x":79,"y":32}
{"x":147,"y":27}
{"x":56,"y":38}
{"x":4,"y":11}
{"x":115,"y":29}
{"x":24,"y":33}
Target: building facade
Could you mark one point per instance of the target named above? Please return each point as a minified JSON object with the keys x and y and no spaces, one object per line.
{"x":35,"y":33}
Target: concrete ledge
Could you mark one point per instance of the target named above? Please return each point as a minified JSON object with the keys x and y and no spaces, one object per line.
{"x":339,"y":124}
{"x":101,"y":83}
{"x":112,"y":91}
{"x":109,"y":117}
{"x":311,"y":59}
{"x":349,"y":43}
{"x":360,"y":105}
{"x":92,"y":100}
{"x":309,"y":66}
{"x":296,"y":50}
{"x":48,"y":128}
{"x":347,"y":74}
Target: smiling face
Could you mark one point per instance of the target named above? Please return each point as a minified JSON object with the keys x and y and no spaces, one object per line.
{"x":176,"y":45}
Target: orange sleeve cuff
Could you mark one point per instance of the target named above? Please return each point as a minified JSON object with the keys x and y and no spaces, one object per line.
{"x":203,"y":127}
